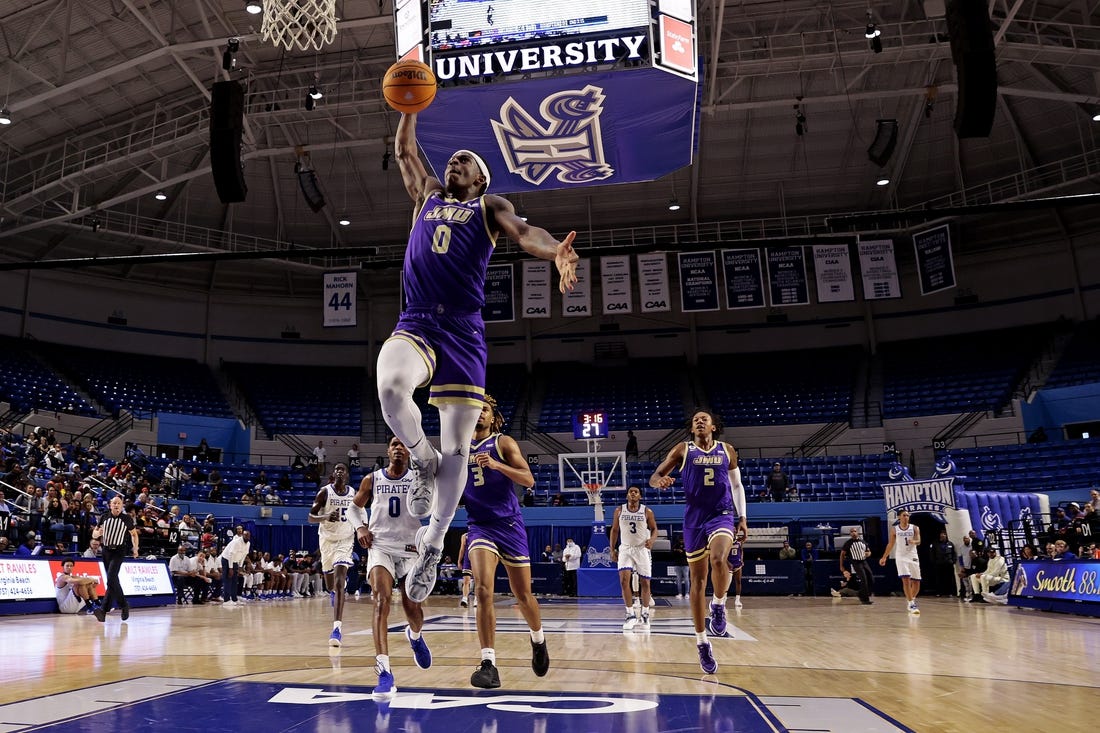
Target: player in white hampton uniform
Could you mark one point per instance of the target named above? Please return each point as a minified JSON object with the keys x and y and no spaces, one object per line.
{"x":633,"y":531}
{"x":335,"y":534}
{"x":390,"y":536}
{"x":907,"y":537}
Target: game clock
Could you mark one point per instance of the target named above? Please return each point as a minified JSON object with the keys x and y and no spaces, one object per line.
{"x":590,"y":425}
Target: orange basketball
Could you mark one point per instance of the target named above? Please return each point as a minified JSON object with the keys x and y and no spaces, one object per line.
{"x":409,"y":86}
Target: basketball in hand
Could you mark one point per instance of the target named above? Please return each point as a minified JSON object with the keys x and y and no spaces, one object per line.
{"x":409,"y":86}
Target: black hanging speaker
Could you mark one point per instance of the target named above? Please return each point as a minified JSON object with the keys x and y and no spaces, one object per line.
{"x":886,"y":138}
{"x":971,"y":36}
{"x":226,"y":124}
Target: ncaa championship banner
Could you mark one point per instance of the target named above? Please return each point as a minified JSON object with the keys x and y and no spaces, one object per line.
{"x":500,"y":294}
{"x":787,"y":276}
{"x":653,"y":283}
{"x":879,"y":269}
{"x":566,"y":132}
{"x":698,"y":281}
{"x":339,"y":293}
{"x":578,"y":301}
{"x":615,"y":284}
{"x":744,"y":278}
{"x":536,"y":289}
{"x":833,"y":271}
{"x":935,"y":265}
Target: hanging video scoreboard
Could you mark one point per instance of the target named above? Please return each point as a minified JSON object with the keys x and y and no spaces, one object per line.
{"x":465,"y":41}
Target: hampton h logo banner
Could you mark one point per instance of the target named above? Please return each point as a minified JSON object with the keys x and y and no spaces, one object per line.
{"x":567,"y":131}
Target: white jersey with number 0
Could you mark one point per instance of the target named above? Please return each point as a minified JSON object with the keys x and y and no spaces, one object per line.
{"x":341,"y":529}
{"x":390,"y":522}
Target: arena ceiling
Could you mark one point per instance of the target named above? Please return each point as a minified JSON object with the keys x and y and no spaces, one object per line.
{"x":109,"y":103}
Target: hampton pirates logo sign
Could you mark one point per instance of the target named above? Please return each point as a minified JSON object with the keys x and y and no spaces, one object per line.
{"x":570,"y":143}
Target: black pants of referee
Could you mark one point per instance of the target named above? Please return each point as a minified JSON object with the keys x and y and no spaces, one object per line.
{"x":866,"y":578}
{"x":112,"y":560}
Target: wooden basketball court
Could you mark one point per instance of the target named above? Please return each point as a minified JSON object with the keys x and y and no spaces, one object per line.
{"x":795,"y":664}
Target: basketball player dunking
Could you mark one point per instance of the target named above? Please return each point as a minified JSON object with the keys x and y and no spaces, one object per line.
{"x":439,"y":339}
{"x":907,"y":538}
{"x":714,"y":514}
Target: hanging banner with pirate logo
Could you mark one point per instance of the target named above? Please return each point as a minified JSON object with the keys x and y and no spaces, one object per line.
{"x":571,"y":131}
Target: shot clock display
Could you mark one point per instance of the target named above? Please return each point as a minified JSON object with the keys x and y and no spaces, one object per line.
{"x":590,"y":425}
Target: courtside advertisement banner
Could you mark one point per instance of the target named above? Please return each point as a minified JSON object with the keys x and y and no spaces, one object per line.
{"x":698,"y":281}
{"x":578,"y":301}
{"x":833,"y":272}
{"x":575,"y":131}
{"x":879,"y":269}
{"x":787,"y":276}
{"x":653,"y":283}
{"x":536,"y":289}
{"x":500,"y":294}
{"x":1071,"y":580}
{"x":145,"y":579}
{"x":32,"y":578}
{"x":744,"y":278}
{"x":615,"y":284}
{"x":935,"y":266}
{"x":339,"y":294}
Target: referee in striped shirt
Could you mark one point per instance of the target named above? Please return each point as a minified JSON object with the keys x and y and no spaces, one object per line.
{"x":857,"y":552}
{"x":112,"y":529}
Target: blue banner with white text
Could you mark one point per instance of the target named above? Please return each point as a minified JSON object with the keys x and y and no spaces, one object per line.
{"x":500,"y":294}
{"x":744,"y":278}
{"x":566,"y":132}
{"x":787,"y":276}
{"x":698,"y":281}
{"x":935,"y":266}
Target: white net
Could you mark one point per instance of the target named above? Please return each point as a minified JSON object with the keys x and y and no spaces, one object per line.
{"x":301,"y":24}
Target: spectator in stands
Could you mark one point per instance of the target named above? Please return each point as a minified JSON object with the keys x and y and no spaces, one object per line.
{"x":979,"y":561}
{"x":284,"y":484}
{"x":548,"y":554}
{"x":965,"y":561}
{"x":198,"y":476}
{"x":95,"y":548}
{"x":557,"y":553}
{"x":1094,"y":500}
{"x":353,"y":455}
{"x":215,"y":495}
{"x":1062,"y":551}
{"x":173,"y":477}
{"x":184,"y":572}
{"x":190,"y":531}
{"x":786,"y":552}
{"x":261,"y":483}
{"x":247,"y":498}
{"x":529,"y":496}
{"x":31,"y":546}
{"x":808,"y":557}
{"x":271,"y":497}
{"x":996,"y":572}
{"x":777,"y":483}
{"x":202,"y":452}
{"x":631,"y":445}
{"x":319,"y":454}
{"x":944,"y":558}
{"x":5,"y":546}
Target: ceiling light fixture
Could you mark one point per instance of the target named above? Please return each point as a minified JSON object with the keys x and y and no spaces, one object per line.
{"x":674,"y":205}
{"x":229,"y":56}
{"x":310,"y":103}
{"x":315,"y":92}
{"x":343,"y":220}
{"x":5,"y":116}
{"x":1095,"y":117}
{"x":882,"y":180}
{"x":872,"y":30}
{"x":254,"y":7}
{"x":160,"y":196}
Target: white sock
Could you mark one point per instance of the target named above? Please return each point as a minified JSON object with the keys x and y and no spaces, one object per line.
{"x":413,"y":635}
{"x":700,"y":637}
{"x":537,"y":636}
{"x":383,"y":662}
{"x":630,"y":610}
{"x":719,"y":601}
{"x":337,"y":624}
{"x":490,"y":654}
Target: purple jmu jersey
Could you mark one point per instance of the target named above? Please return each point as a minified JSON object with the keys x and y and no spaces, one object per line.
{"x":448,"y":255}
{"x":490,"y":496}
{"x":706,"y":478}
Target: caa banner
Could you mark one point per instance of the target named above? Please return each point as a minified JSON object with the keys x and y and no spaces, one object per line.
{"x":500,"y":294}
{"x":339,"y":294}
{"x":536,"y":289}
{"x":879,"y":269}
{"x":653,"y":283}
{"x":698,"y":281}
{"x":578,"y":301}
{"x":787,"y":276}
{"x":934,"y":263}
{"x":570,"y":131}
{"x":744,"y":278}
{"x":615,"y":284}
{"x":833,"y":271}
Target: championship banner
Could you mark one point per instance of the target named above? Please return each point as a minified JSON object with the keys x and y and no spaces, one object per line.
{"x":575,"y":131}
{"x":500,"y":294}
{"x":935,"y":265}
{"x":933,"y":496}
{"x":698,"y":281}
{"x":615,"y":285}
{"x":833,"y":272}
{"x":339,"y":295}
{"x":578,"y":301}
{"x":878,"y":269}
{"x":787,"y":276}
{"x":536,"y":289}
{"x":744,"y":278}
{"x":653,"y":283}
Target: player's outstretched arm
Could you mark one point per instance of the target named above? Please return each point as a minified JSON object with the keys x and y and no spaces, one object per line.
{"x":536,"y":241}
{"x":661,"y":478}
{"x":413,"y":173}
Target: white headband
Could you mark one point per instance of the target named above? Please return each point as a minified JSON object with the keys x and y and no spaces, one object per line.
{"x":480,"y":164}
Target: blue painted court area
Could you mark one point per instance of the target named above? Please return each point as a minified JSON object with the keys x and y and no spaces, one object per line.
{"x":255,"y":706}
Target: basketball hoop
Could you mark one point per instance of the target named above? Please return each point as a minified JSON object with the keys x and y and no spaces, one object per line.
{"x":593,"y":493}
{"x":302,"y":24}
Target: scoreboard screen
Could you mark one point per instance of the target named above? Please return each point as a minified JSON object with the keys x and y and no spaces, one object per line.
{"x":590,"y":425}
{"x":471,"y":23}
